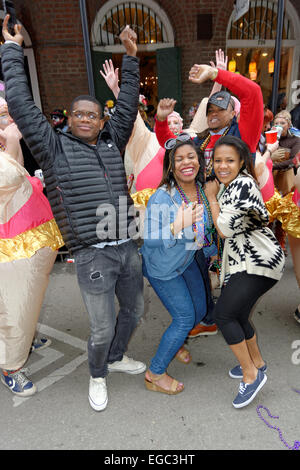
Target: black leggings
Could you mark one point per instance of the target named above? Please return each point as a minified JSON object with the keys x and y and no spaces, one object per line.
{"x":235,"y":303}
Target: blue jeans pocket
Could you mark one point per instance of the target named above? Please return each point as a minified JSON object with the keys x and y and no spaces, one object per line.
{"x":85,"y":255}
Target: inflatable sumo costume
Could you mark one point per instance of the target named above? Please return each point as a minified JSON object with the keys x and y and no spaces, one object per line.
{"x":29,"y":238}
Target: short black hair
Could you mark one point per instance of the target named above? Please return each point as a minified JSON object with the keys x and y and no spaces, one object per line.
{"x":86,"y":98}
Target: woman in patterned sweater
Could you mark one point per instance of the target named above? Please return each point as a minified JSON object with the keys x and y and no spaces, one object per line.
{"x":252,"y":262}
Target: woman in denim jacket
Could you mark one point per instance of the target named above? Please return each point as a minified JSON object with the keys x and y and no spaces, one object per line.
{"x":177,"y":224}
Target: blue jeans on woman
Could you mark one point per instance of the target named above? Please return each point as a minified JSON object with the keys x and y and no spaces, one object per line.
{"x":185,"y":299}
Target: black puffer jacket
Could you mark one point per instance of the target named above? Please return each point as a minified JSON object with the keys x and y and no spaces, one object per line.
{"x":86,"y":185}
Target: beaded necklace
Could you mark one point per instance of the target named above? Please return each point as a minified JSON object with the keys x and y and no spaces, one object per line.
{"x":210,"y":229}
{"x":201,"y":199}
{"x":296,"y":445}
{"x":186,"y":199}
{"x":203,"y":146}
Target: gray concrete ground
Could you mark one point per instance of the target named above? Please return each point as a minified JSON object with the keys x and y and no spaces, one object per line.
{"x":201,"y":418}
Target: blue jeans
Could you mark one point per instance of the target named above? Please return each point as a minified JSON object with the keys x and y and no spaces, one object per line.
{"x":185,"y":299}
{"x":103,"y":273}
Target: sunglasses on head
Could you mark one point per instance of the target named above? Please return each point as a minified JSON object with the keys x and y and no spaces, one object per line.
{"x":170,"y":143}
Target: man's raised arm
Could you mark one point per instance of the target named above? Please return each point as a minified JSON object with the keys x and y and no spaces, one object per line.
{"x":124,"y":117}
{"x":33,"y":125}
{"x":248,"y":92}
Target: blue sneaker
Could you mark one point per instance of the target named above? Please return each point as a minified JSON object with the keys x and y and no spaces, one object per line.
{"x":237,"y":372}
{"x":40,"y":343}
{"x":18,"y":383}
{"x":247,"y":392}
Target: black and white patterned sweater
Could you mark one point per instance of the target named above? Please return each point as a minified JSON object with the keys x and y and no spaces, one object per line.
{"x":249,"y":244}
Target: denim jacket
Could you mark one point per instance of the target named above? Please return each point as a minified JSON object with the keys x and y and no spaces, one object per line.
{"x":164,"y":255}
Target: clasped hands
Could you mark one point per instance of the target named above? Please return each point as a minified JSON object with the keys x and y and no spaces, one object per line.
{"x":187,"y":215}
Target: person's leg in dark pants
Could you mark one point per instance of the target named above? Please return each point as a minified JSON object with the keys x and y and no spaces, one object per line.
{"x":103,"y":273}
{"x":232,"y":314}
{"x":129,"y":292}
{"x":100,"y":272}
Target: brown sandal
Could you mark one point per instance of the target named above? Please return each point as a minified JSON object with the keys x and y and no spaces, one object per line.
{"x":182,"y":355}
{"x":154,"y":387}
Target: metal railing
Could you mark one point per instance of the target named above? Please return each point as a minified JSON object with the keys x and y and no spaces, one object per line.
{"x":260,"y":22}
{"x":142,"y":19}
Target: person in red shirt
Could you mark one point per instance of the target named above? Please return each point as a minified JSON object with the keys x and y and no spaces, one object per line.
{"x":220,"y":113}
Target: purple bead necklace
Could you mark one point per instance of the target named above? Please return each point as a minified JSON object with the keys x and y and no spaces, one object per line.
{"x":186,"y":199}
{"x":296,"y":445}
{"x":201,"y":199}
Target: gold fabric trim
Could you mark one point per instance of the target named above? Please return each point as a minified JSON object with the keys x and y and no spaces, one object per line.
{"x":272,"y":204}
{"x":286,"y":211}
{"x":28,"y":243}
{"x":289,"y":216}
{"x":141,"y":198}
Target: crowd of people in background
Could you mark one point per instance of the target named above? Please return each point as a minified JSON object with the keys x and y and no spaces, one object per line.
{"x":216,"y":201}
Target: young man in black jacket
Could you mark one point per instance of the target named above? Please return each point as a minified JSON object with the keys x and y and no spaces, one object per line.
{"x":86,"y":187}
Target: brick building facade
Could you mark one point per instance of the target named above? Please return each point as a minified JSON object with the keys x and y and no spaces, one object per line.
{"x":55,"y":31}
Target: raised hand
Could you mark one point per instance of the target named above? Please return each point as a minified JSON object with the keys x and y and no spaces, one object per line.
{"x":128,"y":39}
{"x":17,"y":37}
{"x":111,"y":76}
{"x":165,"y":107}
{"x":201,"y":73}
{"x":221,"y":60}
{"x":261,"y":169}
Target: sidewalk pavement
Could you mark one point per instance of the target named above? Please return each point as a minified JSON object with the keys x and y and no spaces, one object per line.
{"x":59,"y":416}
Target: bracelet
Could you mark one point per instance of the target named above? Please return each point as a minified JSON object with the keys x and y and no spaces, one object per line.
{"x":179,"y":235}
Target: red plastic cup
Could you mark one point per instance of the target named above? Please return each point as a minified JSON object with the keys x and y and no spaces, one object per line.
{"x":271,"y":136}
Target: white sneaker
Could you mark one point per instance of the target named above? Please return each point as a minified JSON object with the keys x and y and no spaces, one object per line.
{"x":127,"y":365}
{"x":98,"y":393}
